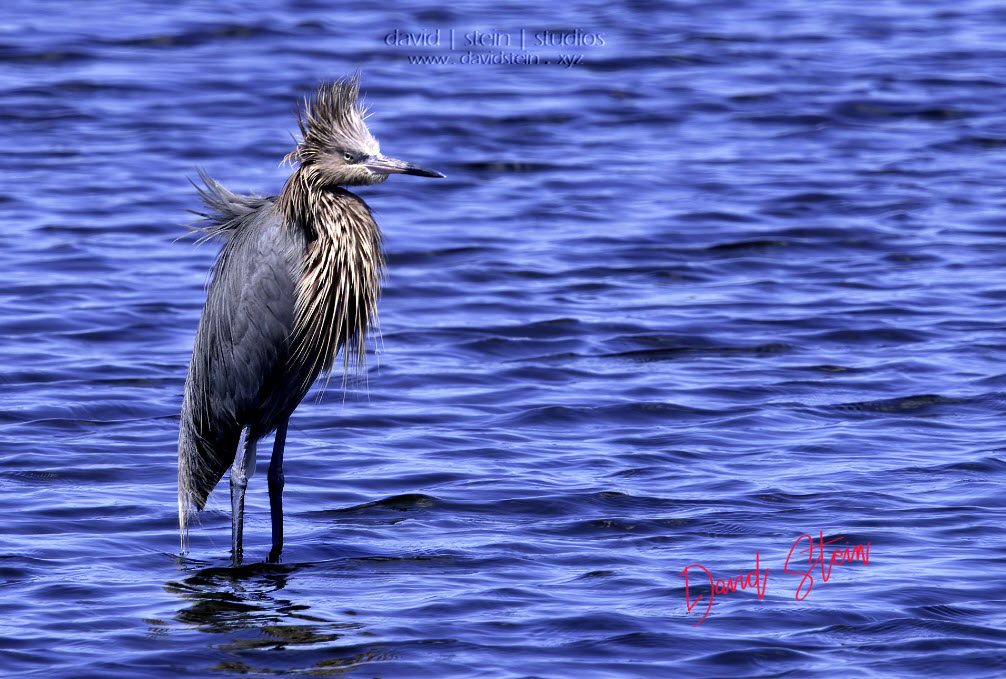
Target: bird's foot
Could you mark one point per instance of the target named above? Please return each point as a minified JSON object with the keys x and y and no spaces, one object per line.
{"x":274,"y":555}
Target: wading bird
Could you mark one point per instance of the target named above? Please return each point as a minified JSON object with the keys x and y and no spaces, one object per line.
{"x":296,"y":283}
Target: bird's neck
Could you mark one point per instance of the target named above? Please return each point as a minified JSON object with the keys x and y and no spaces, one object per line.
{"x":341,"y":272}
{"x":309,"y":202}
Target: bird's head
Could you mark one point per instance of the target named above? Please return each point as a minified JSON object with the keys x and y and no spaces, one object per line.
{"x":336,"y":144}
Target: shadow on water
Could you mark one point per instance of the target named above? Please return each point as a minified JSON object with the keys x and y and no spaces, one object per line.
{"x":258,"y":624}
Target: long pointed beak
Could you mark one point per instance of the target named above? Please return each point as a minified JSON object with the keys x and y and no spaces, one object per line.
{"x":385,"y":165}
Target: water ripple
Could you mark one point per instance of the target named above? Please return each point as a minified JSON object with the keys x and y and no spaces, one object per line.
{"x":734,"y":278}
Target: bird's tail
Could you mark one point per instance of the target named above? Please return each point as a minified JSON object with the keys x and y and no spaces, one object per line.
{"x":201,"y":464}
{"x":186,"y":506}
{"x":190,"y":499}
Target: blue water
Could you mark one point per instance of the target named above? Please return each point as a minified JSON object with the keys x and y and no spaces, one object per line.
{"x":735,"y":276}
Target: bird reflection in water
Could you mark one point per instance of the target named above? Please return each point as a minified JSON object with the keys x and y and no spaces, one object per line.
{"x":246,"y":606}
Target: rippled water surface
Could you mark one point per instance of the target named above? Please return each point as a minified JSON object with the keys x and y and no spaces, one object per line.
{"x":734,"y":277}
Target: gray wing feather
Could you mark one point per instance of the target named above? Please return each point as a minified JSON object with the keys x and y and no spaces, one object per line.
{"x":239,"y":360}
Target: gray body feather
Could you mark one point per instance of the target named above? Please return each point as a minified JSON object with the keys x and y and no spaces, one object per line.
{"x":239,"y":375}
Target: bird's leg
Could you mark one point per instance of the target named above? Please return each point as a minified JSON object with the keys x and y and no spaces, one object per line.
{"x":276,"y":481}
{"x":241,"y":470}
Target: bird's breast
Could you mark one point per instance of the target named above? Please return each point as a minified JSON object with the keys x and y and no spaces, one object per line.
{"x":338,"y":284}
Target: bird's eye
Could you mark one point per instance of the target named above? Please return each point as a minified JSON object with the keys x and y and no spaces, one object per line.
{"x":348,"y":157}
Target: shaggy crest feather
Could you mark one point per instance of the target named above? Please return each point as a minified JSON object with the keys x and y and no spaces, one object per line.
{"x":331,"y":121}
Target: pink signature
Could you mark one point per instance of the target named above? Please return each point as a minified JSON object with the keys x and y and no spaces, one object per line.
{"x":757,"y":579}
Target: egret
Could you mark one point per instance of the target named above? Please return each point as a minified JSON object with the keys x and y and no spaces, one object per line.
{"x":296,"y":284}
